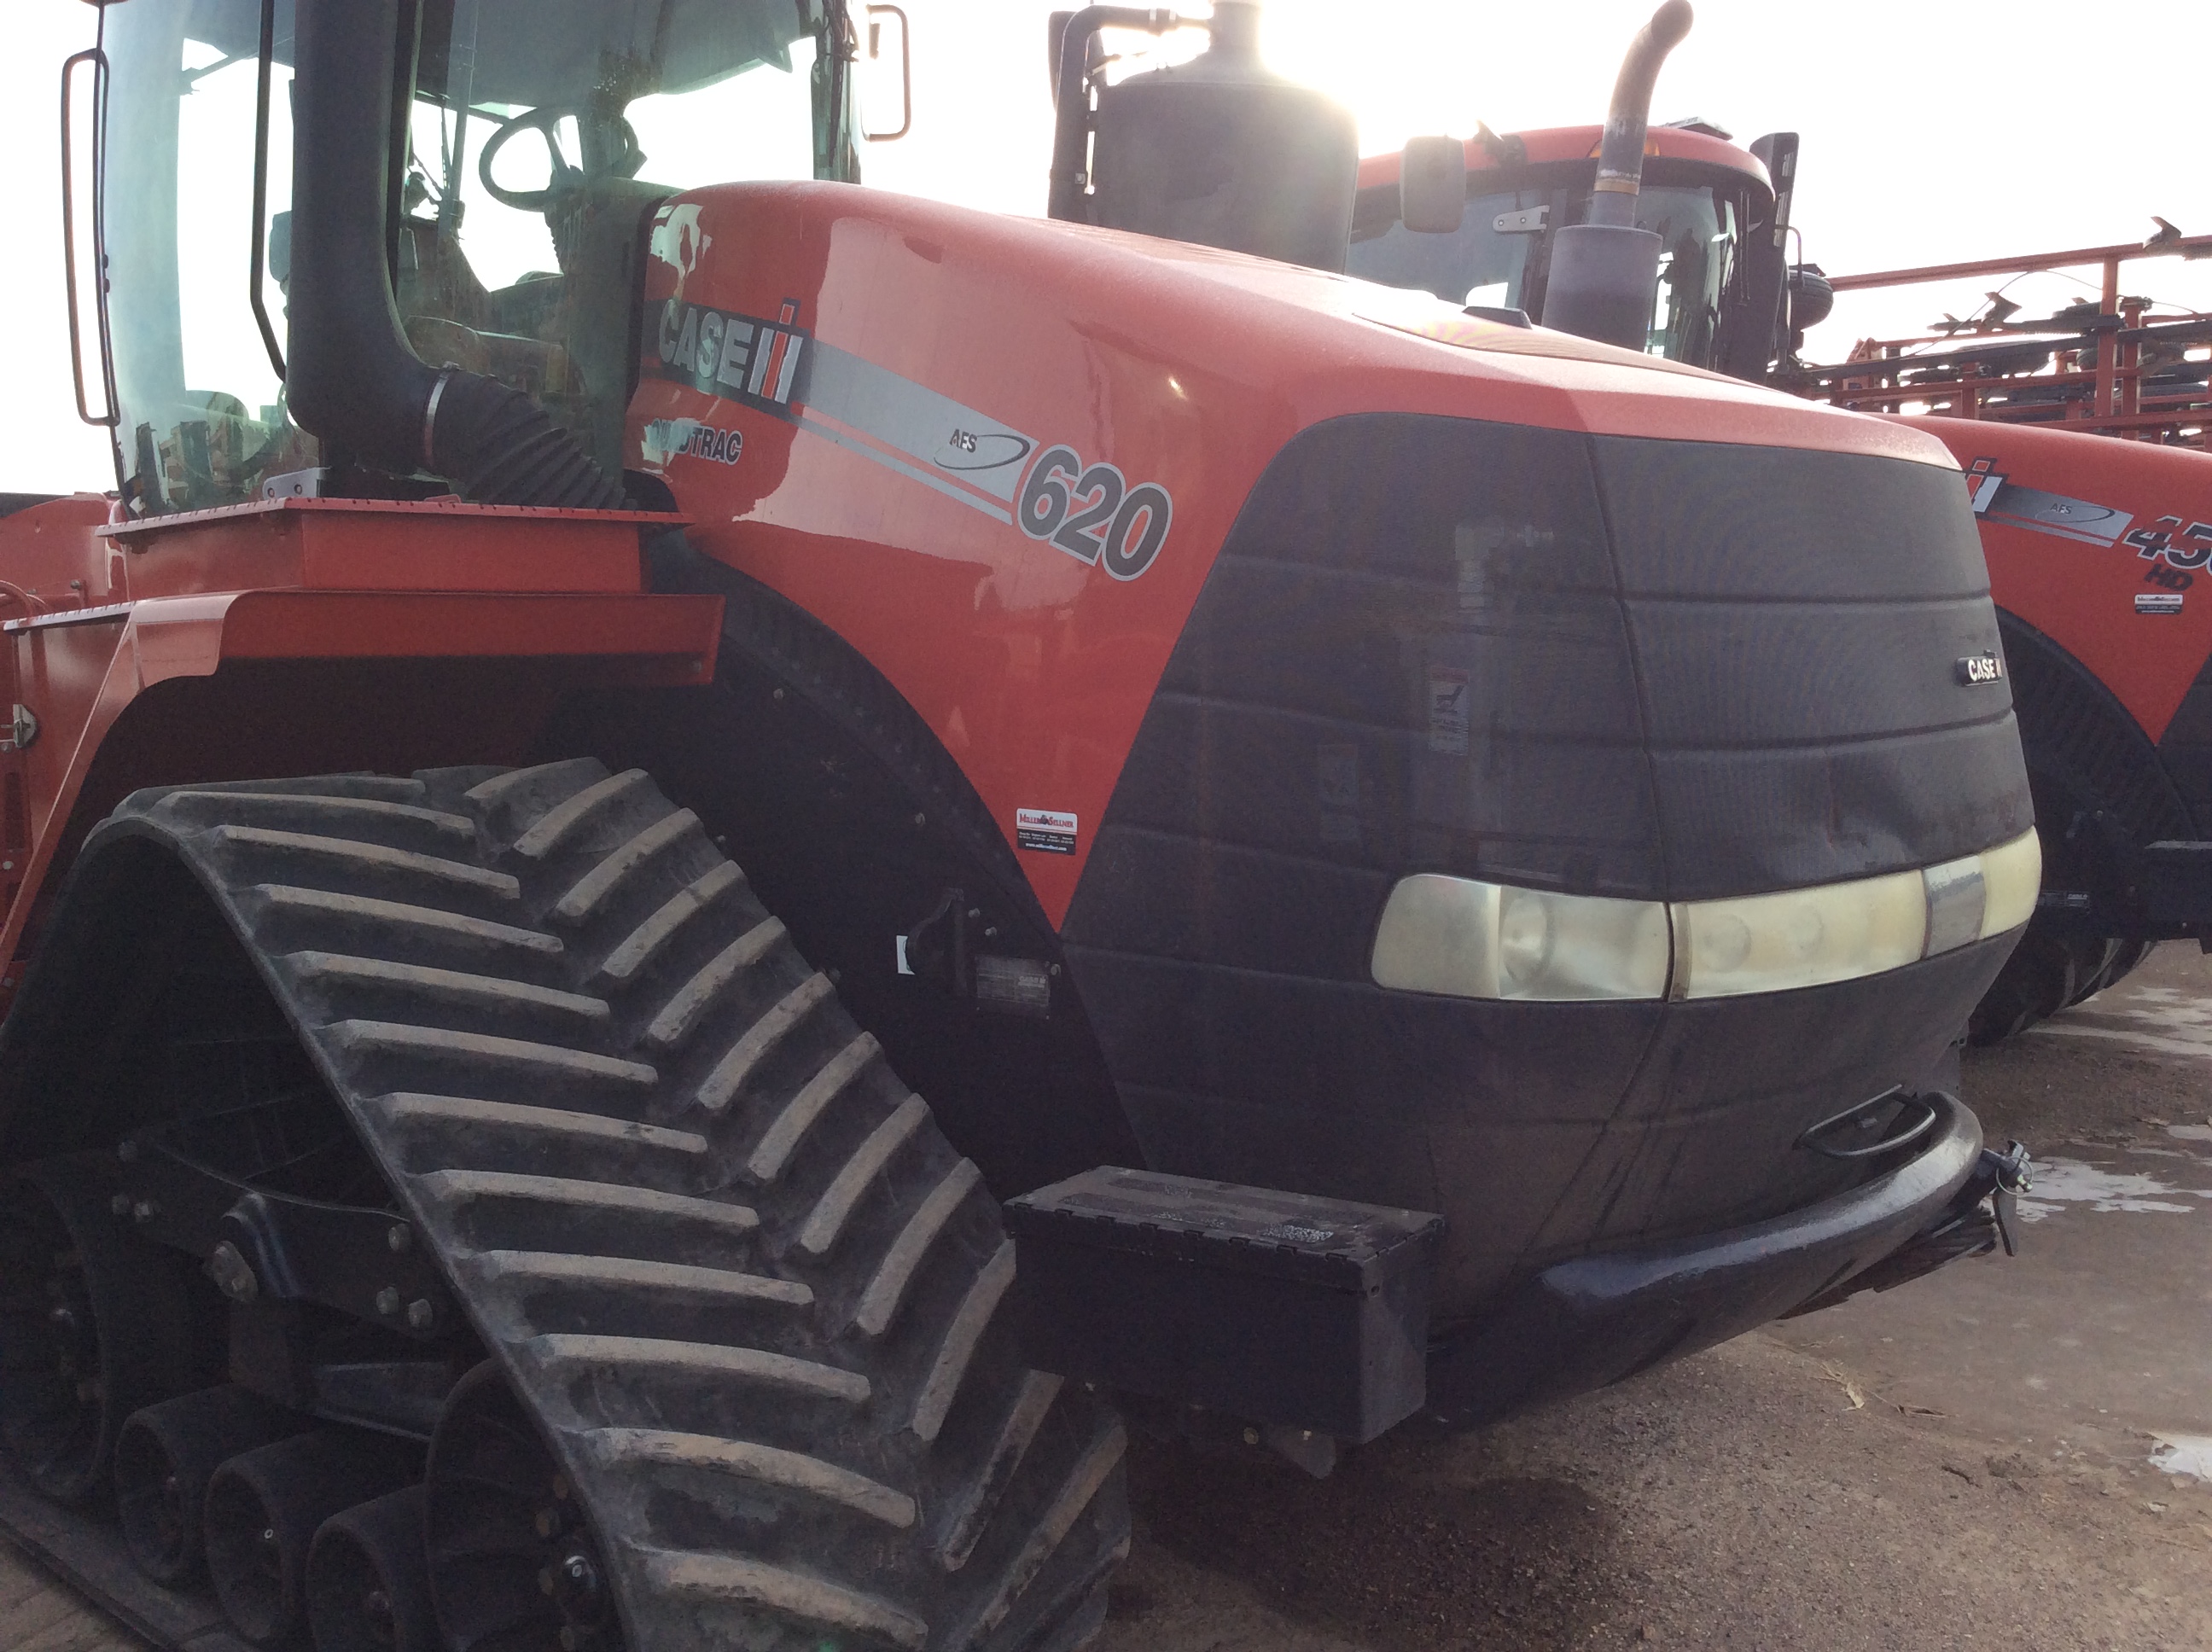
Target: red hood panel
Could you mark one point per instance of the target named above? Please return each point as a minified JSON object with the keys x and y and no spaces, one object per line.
{"x":2096,"y":543}
{"x":854,"y":394}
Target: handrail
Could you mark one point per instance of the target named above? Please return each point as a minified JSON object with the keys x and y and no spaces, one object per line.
{"x":98,"y":58}
{"x":254,"y":282}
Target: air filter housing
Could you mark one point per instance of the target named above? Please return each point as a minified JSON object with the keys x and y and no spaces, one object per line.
{"x":1221,"y":152}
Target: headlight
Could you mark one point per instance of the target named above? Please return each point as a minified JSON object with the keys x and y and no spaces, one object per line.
{"x":1489,"y":940}
{"x":2012,"y":877}
{"x":1476,"y":939}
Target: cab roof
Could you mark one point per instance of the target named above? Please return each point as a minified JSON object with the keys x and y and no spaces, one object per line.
{"x":1581,"y":143}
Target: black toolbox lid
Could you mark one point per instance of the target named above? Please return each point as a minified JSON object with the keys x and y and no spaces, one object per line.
{"x":1326,"y":1242}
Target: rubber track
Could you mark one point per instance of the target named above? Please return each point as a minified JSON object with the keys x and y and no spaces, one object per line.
{"x":743,"y":1282}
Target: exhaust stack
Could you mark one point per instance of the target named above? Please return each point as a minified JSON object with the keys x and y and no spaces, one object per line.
{"x":1217,"y":151}
{"x":1603,"y":270}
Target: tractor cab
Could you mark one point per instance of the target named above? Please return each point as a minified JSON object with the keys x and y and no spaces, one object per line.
{"x":1711,"y":204}
{"x":536,"y":140}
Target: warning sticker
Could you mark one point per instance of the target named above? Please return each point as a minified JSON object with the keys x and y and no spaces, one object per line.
{"x":1045,"y":829}
{"x":2158,"y":602}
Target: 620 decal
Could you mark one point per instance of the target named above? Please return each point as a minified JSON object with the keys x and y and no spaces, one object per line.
{"x":1092,"y":513}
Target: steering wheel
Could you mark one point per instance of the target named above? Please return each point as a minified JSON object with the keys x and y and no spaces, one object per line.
{"x":615,"y":136}
{"x":546,"y":121}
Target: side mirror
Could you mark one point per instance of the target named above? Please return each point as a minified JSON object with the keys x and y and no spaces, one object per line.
{"x":280,"y":248}
{"x":876,"y":13}
{"x":1432,"y":185}
{"x":1811,"y":300}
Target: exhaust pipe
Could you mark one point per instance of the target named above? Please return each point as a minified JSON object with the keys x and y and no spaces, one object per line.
{"x":355,"y":380}
{"x":1603,"y":270}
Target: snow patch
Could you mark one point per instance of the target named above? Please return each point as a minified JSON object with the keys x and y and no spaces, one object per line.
{"x":2062,"y":1182}
{"x":2184,"y":1453}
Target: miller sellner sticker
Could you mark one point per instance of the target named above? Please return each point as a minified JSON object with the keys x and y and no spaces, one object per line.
{"x":1047,"y":830}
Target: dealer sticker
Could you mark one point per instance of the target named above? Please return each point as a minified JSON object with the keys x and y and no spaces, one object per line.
{"x":2158,"y":602}
{"x":1046,"y":830}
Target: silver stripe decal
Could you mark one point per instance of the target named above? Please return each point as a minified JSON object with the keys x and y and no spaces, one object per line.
{"x":928,"y":479}
{"x":932,"y":431}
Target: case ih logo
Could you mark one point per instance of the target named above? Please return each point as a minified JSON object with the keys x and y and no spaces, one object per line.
{"x":740,"y":358}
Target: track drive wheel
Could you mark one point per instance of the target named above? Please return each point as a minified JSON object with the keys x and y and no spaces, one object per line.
{"x":94,"y":1325}
{"x":748,"y":1383}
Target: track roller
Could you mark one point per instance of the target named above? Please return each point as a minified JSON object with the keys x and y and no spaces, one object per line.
{"x":264,"y":1509}
{"x":513,"y":1561}
{"x":163,"y":1461}
{"x":368,"y":1584}
{"x":94,"y":1325}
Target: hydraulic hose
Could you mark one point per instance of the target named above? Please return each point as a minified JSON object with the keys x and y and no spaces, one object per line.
{"x":354,"y":379}
{"x":1620,"y":158}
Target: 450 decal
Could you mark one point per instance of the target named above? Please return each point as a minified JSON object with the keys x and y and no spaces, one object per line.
{"x":1092,"y":513}
{"x":2157,"y":542}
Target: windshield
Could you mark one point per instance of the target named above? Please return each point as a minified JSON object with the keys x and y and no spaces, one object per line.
{"x":588,"y":113}
{"x":543,"y":133}
{"x":1501,"y":253}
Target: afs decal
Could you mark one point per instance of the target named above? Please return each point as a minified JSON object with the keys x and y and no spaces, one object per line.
{"x":2173,"y":549}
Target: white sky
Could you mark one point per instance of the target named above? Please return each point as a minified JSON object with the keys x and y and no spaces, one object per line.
{"x":1934,"y":130}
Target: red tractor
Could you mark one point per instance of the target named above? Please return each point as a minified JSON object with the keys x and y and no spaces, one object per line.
{"x":2091,"y":545}
{"x":1418,"y":866}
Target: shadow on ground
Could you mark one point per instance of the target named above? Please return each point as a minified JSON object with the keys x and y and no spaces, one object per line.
{"x":1388,"y":1551}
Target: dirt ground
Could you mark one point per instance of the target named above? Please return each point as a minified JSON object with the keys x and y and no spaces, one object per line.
{"x":1965,"y":1462}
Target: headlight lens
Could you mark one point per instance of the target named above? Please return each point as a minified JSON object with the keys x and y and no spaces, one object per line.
{"x":1488,"y":940}
{"x":2012,"y":877}
{"x":1474,"y":939}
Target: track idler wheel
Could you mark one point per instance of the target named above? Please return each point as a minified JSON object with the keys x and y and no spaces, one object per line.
{"x":164,"y":1458}
{"x":514,"y":1562}
{"x":94,"y":1325}
{"x":264,"y":1509}
{"x":368,"y":1580}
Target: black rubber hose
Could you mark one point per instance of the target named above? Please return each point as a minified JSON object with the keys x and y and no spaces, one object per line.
{"x":1620,"y":159}
{"x":503,"y":449}
{"x":354,"y":379}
